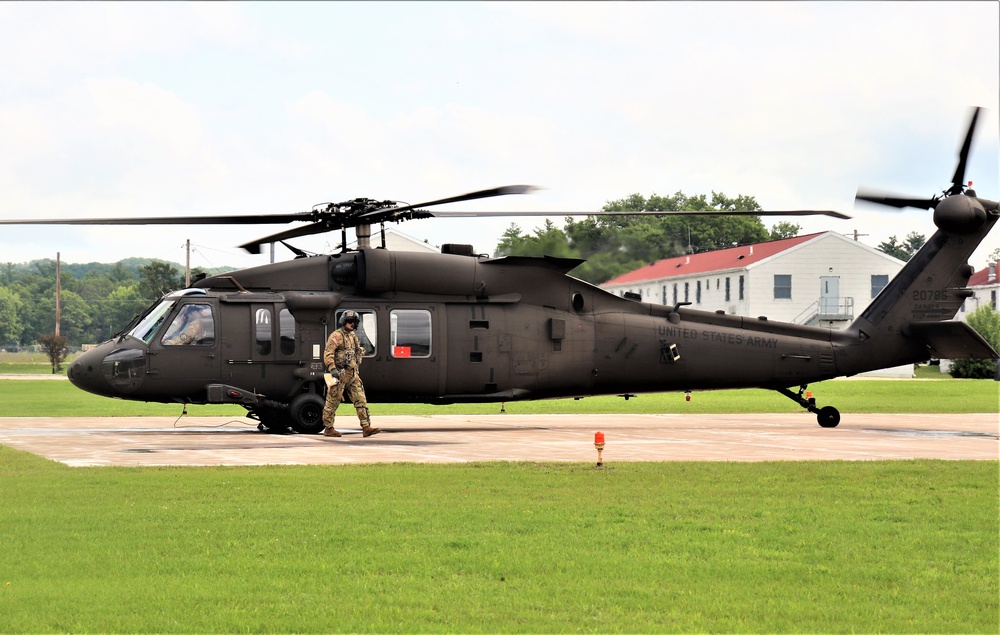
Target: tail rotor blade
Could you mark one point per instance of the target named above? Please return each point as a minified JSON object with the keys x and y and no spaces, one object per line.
{"x":958,"y":181}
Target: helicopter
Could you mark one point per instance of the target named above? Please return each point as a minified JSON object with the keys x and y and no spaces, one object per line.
{"x":460,"y":327}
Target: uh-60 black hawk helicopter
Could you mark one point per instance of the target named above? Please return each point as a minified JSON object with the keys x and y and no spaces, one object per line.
{"x":458,"y":327}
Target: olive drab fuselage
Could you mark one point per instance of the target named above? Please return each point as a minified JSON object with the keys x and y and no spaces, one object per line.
{"x":457,"y":327}
{"x":446,"y":328}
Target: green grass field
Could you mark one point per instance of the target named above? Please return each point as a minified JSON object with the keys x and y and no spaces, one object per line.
{"x":906,"y":546}
{"x":887,"y":546}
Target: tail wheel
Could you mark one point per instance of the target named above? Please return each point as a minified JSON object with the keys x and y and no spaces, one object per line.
{"x":306,"y":412}
{"x":828,"y":417}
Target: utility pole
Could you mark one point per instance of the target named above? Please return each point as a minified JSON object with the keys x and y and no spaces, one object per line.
{"x":857,"y":235}
{"x":58,"y":293}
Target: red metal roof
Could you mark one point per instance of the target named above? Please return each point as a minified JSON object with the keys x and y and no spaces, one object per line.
{"x":732,"y":258}
{"x":982,"y":277}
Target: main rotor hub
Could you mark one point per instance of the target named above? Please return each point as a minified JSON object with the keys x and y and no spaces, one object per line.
{"x":959,"y":214}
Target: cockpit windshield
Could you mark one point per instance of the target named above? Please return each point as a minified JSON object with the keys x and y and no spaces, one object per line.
{"x":145,"y":329}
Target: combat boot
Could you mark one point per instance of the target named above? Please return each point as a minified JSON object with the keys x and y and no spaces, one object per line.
{"x":366,"y":422}
{"x":330,"y":432}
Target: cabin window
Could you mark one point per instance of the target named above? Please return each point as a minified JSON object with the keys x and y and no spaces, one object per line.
{"x":193,"y":326}
{"x":367,"y":330}
{"x":410,"y":333}
{"x":878,"y":283}
{"x":782,"y":286}
{"x":262,"y":331}
{"x":286,"y":326}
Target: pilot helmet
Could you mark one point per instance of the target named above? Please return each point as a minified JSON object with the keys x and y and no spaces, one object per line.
{"x":350,"y":316}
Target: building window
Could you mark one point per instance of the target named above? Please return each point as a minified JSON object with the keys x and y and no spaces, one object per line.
{"x":687,"y":291}
{"x":741,"y":288}
{"x":727,"y":290}
{"x":993,"y":299}
{"x":782,"y":286}
{"x":675,"y":294}
{"x":878,"y":283}
{"x":697,"y":292}
{"x":664,"y":294}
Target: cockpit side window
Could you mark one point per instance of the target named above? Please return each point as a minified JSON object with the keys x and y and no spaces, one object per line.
{"x":193,"y":326}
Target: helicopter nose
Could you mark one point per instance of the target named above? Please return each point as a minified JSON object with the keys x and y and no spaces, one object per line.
{"x":108,"y":371}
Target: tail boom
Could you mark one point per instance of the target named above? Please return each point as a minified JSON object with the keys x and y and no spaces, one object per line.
{"x":909,"y":321}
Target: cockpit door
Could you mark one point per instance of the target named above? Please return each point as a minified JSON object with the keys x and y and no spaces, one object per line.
{"x":183,"y":354}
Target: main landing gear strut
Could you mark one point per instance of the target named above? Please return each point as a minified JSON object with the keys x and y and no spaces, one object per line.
{"x":827,"y":416}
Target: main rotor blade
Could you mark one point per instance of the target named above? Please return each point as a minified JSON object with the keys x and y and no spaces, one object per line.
{"x":958,"y":180}
{"x":882,"y":198}
{"x":471,"y":196}
{"x":798,"y":212}
{"x":264,"y":219}
{"x":295,"y":232}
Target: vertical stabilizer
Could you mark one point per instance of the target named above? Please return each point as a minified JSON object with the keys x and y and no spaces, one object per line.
{"x":909,"y":320}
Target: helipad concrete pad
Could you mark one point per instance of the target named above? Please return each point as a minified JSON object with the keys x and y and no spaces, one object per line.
{"x":147,"y":441}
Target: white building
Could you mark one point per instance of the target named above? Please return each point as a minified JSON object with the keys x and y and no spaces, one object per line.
{"x":820,"y":279}
{"x":823,"y":279}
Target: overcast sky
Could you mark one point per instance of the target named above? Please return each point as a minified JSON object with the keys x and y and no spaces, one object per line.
{"x":146,"y":109}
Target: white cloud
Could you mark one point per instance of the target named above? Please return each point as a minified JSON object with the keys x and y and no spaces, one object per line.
{"x":226,"y":108}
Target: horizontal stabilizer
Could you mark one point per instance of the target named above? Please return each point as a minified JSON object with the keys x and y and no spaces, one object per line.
{"x":952,"y":340}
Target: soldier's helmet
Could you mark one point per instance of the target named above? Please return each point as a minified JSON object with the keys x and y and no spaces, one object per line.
{"x":350,"y":316}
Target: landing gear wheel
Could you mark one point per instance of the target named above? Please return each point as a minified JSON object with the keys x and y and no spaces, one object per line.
{"x":307,"y":413}
{"x":828,"y":417}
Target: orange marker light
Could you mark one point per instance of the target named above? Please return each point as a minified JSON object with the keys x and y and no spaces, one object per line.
{"x":598,"y":438}
{"x":599,"y":444}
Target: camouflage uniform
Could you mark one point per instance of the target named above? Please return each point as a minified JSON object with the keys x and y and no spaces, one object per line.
{"x":342,"y":358}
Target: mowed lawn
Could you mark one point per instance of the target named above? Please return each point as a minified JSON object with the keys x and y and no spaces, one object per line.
{"x":904,"y":546}
{"x":884,"y":546}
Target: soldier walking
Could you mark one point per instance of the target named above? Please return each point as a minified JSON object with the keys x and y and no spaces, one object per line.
{"x":342,"y":358}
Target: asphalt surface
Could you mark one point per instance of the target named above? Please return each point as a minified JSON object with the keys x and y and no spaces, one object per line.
{"x":149,"y":441}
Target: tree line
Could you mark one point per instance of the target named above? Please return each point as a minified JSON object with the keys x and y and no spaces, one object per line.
{"x":614,"y":245}
{"x":96,"y":300}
